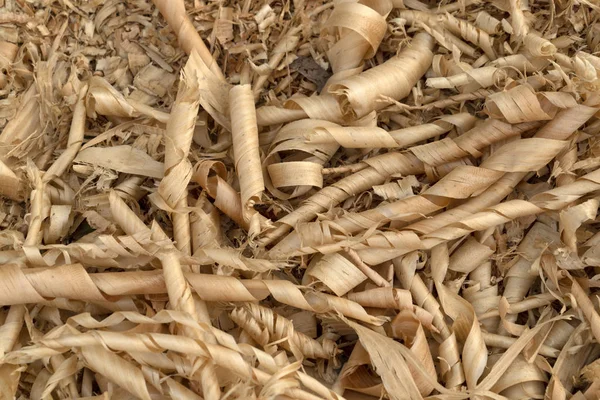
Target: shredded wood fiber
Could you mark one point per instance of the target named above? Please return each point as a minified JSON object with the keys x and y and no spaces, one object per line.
{"x":299,"y":200}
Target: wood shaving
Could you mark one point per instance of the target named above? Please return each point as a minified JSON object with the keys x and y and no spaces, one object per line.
{"x":390,"y":199}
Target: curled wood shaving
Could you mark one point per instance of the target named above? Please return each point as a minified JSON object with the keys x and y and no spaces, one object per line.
{"x":359,"y":95}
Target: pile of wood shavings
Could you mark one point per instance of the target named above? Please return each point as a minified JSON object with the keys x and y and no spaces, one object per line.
{"x":309,"y":199}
